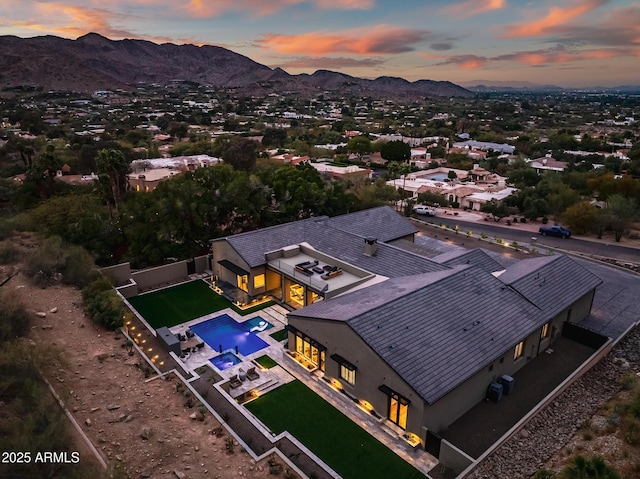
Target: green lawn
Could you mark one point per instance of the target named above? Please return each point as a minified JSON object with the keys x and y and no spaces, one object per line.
{"x":280,"y":335}
{"x":178,"y":304}
{"x":343,"y":445}
{"x":266,"y":362}
{"x":182,"y":303}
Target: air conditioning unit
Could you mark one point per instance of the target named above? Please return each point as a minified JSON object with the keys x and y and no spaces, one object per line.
{"x":494,"y":392}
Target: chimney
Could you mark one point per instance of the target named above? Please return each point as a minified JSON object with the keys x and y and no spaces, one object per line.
{"x":370,"y":246}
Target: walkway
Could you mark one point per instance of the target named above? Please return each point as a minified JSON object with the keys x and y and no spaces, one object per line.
{"x":485,"y":423}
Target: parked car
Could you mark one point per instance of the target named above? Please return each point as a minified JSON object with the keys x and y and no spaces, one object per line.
{"x":555,"y":230}
{"x":424,"y":210}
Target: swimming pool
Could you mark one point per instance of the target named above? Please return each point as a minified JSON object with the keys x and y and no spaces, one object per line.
{"x":225,"y":360}
{"x":223,"y":332}
{"x":437,"y":177}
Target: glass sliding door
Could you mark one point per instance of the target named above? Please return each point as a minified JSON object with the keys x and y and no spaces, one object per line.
{"x":398,"y":409}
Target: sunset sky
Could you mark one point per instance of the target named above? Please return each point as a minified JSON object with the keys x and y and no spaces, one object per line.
{"x":571,"y":43}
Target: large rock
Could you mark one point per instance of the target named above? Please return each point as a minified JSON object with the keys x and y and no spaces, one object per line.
{"x":146,"y":432}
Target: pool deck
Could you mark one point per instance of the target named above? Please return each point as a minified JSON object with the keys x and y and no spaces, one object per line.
{"x":276,"y":315}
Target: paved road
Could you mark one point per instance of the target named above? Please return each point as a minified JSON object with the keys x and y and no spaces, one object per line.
{"x":576,"y":244}
{"x":615,"y":305}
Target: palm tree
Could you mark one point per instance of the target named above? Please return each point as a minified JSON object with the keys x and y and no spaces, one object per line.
{"x":112,"y":166}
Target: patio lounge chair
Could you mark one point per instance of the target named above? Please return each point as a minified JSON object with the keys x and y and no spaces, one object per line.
{"x":252,"y":374}
{"x":261,"y":326}
{"x":234,"y":382}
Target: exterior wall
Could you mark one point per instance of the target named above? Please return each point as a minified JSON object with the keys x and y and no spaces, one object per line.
{"x":202,"y":264}
{"x":450,"y":407}
{"x":580,"y":309}
{"x":119,"y":273}
{"x":133,"y":282}
{"x":129,"y":291}
{"x":371,"y":371}
{"x":149,"y":278}
{"x":223,"y":250}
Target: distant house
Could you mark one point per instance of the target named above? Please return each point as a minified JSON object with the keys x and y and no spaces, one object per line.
{"x":147,"y":174}
{"x":485,"y":146}
{"x":548,"y":163}
{"x":349,"y":172}
{"x":149,"y":180}
{"x":462,"y":190}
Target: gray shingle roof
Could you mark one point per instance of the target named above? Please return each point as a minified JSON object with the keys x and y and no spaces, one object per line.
{"x":475,"y":257}
{"x":382,"y":223}
{"x":551,"y":282}
{"x":435,"y":330}
{"x":388,"y":261}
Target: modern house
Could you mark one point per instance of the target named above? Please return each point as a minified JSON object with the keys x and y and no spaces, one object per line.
{"x":413,"y":340}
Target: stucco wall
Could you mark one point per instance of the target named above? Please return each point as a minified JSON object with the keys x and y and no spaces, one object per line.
{"x":223,"y":250}
{"x":152,"y":277}
{"x":119,"y":273}
{"x":371,"y":371}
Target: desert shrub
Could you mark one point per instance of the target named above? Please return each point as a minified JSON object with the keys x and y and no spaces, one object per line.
{"x":9,"y":252}
{"x":31,"y":419}
{"x":55,"y":260}
{"x":14,"y":319}
{"x":102,"y":304}
{"x":630,"y":429}
{"x":79,"y":267}
{"x":582,"y":467}
{"x":544,"y":474}
{"x":46,"y":263}
{"x":628,"y":381}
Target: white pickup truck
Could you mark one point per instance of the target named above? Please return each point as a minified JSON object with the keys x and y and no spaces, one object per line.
{"x":424,"y":210}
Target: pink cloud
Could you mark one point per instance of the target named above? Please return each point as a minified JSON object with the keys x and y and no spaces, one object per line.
{"x":344,"y":4}
{"x":378,"y":40}
{"x":556,"y":17}
{"x":214,"y":8}
{"x":329,"y":63}
{"x":474,"y":7}
{"x":535,"y":57}
{"x":73,"y":21}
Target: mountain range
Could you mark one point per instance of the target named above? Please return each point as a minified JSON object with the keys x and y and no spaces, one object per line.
{"x":93,"y":62}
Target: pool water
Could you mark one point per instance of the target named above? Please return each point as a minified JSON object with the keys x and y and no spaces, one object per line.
{"x":223,"y":332}
{"x":438,"y":177}
{"x":225,"y":361}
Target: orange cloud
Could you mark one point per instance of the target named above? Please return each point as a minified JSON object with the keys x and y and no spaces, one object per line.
{"x":213,"y":8}
{"x":345,"y":4}
{"x":208,"y":8}
{"x":535,"y":57}
{"x":556,"y":17}
{"x":73,"y":21}
{"x":468,"y":62}
{"x":378,"y":40}
{"x":475,"y":7}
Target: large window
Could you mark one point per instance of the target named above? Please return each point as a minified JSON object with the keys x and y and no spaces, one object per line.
{"x":544,"y":332}
{"x":518,"y":352}
{"x":398,"y":409}
{"x":310,"y":350}
{"x":347,"y":370}
{"x":243,"y":282}
{"x":398,"y":406}
{"x":258,"y":281}
{"x":348,"y":374}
